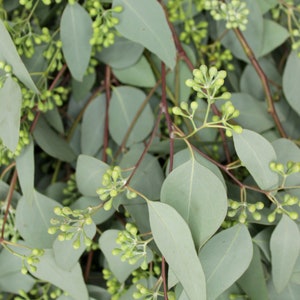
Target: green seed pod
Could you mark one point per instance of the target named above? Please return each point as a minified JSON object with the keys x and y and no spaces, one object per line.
{"x":271,"y":217}
{"x":259,"y":205}
{"x":76,"y":244}
{"x":194,"y":105}
{"x":293,"y":215}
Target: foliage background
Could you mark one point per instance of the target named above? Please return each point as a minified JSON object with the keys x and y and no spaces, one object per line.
{"x":149,"y":149}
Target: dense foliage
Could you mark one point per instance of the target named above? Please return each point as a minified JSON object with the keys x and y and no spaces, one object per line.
{"x":149,"y":149}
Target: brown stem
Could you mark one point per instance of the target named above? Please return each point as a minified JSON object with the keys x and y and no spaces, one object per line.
{"x":264,"y":81}
{"x":9,"y":199}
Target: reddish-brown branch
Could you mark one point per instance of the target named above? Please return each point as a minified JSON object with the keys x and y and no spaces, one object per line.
{"x":164,"y":277}
{"x":264,"y":81}
{"x":8,"y":200}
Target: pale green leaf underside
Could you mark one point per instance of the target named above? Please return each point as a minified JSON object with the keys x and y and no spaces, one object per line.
{"x":76,"y":32}
{"x":285,"y":247}
{"x":144,"y":22}
{"x":256,"y":154}
{"x":174,"y":240}
{"x":225,"y":257}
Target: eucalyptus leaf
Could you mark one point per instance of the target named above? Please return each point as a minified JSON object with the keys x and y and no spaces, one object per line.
{"x":274,"y":36}
{"x":66,"y":257}
{"x":10,"y":113}
{"x":76,"y":32}
{"x":10,"y":55}
{"x":69,"y":281}
{"x":148,"y":29}
{"x":256,"y":154}
{"x":51,"y":142}
{"x":139,"y":74}
{"x":203,"y":209}
{"x":174,"y":240}
{"x":131,"y":52}
{"x":89,"y":173}
{"x":124,"y":105}
{"x":92,"y":128}
{"x":253,"y":280}
{"x":285,"y":247}
{"x":225,"y":257}
{"x":291,"y":88}
{"x":33,"y":217}
{"x":11,"y":279}
{"x":25,"y":168}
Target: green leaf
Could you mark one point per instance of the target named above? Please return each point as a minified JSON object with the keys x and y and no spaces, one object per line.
{"x":285,"y":247}
{"x":291,"y":292}
{"x":11,"y":278}
{"x":98,"y":292}
{"x":253,"y":281}
{"x":66,"y":257}
{"x":202,"y":208}
{"x":121,"y":269}
{"x":256,"y":153}
{"x":148,"y":29}
{"x":92,"y":128}
{"x":10,"y":55}
{"x":262,"y":240}
{"x":266,"y":5}
{"x":33,"y":219}
{"x":89,"y":173}
{"x":225,"y":257}
{"x":70,"y":281}
{"x":185,"y":155}
{"x":81,"y":89}
{"x":54,"y":119}
{"x":10,"y":113}
{"x":253,"y":113}
{"x":174,"y":240}
{"x":25,"y":168}
{"x":76,"y":32}
{"x":51,"y":142}
{"x":291,"y":87}
{"x":250,"y":82}
{"x":124,"y":105}
{"x":140,"y":74}
{"x":254,"y":33}
{"x":274,"y":36}
{"x":131,"y":52}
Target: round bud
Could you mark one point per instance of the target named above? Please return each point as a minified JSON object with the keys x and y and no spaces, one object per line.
{"x":226,"y":96}
{"x":176,"y":111}
{"x":256,"y":216}
{"x":57,"y":210}
{"x":184,"y":106}
{"x":118,"y":9}
{"x":76,"y":244}
{"x":271,"y":217}
{"x":237,"y":129}
{"x":259,"y":205}
{"x":293,"y":215}
{"x":194,"y":105}
{"x":252,"y":208}
{"x":212,"y":71}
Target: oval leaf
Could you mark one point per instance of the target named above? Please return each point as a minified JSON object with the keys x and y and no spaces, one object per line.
{"x":89,"y":173}
{"x":10,"y":113}
{"x":33,"y":219}
{"x":148,"y":29}
{"x":10,"y":54}
{"x":51,"y":142}
{"x":69,"y":281}
{"x":291,"y":86}
{"x":140,"y":74}
{"x":76,"y":32}
{"x":92,"y":128}
{"x":256,"y":154}
{"x":175,"y":242}
{"x":224,"y":258}
{"x":285,"y":247}
{"x":202,"y":208}
{"x":25,"y":168}
{"x":124,"y":105}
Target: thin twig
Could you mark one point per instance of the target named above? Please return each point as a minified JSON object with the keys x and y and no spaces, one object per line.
{"x":264,"y":81}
